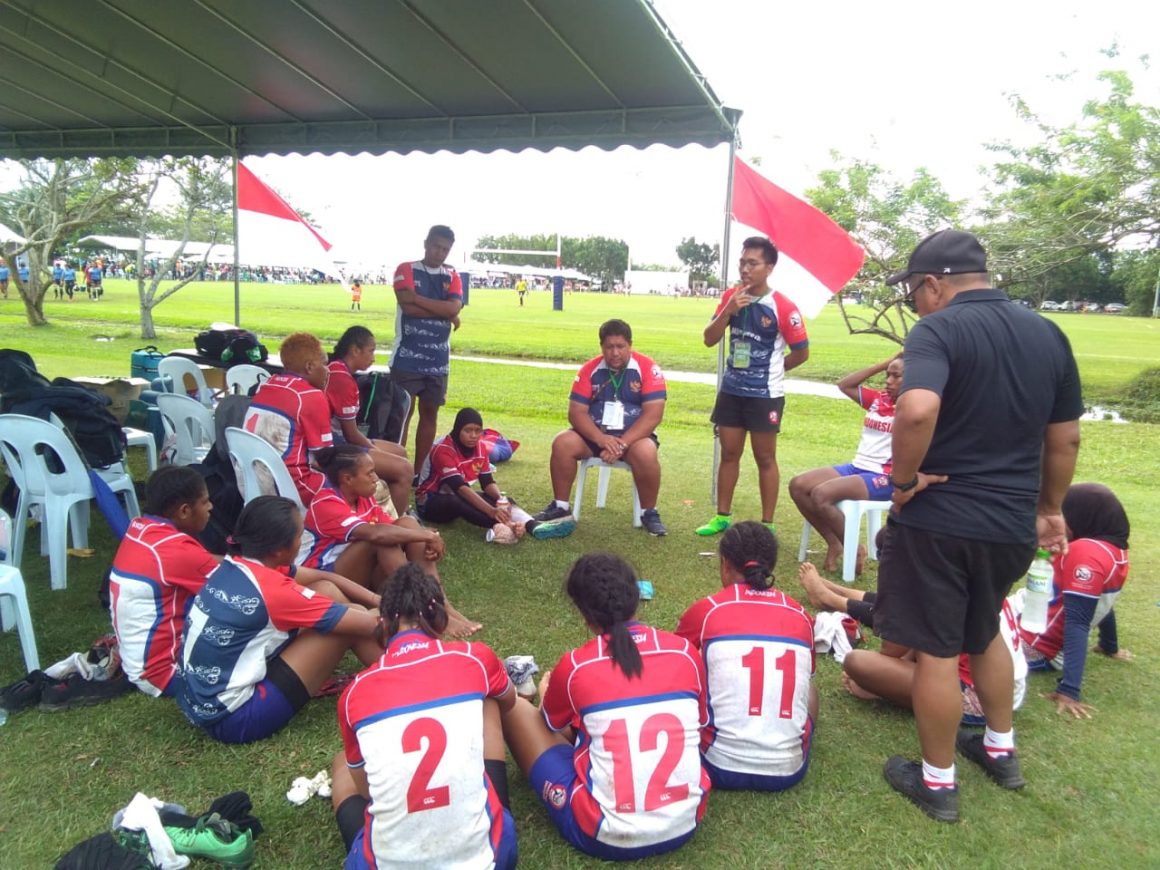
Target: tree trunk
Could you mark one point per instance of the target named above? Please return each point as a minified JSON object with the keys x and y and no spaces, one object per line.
{"x":147,"y":329}
{"x":34,"y":309}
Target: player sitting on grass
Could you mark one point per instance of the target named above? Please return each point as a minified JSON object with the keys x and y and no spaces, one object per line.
{"x":758,"y":648}
{"x":258,"y":644}
{"x":421,"y":779}
{"x":613,"y":751}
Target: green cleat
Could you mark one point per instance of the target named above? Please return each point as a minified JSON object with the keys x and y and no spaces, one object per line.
{"x":214,"y":838}
{"x":772,"y":527}
{"x":715,"y":526}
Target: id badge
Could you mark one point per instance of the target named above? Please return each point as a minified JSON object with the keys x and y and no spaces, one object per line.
{"x":741,"y":350}
{"x":613,"y":417}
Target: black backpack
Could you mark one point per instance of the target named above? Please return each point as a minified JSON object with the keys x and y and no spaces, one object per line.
{"x":383,"y":407}
{"x":231,"y":345}
{"x":221,"y":481}
{"x":18,"y":374}
{"x":85,"y":414}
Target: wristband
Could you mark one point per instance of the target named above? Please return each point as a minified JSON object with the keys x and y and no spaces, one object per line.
{"x":905,"y":487}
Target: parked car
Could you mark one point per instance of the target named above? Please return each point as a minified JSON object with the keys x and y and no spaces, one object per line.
{"x":1114,"y":307}
{"x":1049,"y":305}
{"x":1066,"y":306}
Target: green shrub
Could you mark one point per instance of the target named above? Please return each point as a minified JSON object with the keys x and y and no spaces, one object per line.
{"x":1141,"y":401}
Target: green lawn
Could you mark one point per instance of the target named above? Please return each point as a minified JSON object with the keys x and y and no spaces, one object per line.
{"x":1092,"y":790}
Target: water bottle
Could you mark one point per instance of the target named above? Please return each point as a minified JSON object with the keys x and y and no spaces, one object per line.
{"x":1038,"y":594}
{"x":503,"y":503}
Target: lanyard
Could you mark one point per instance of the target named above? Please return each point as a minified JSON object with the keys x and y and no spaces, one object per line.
{"x":616,"y":382}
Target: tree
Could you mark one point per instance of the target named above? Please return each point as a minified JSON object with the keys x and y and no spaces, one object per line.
{"x":205,"y":204}
{"x":601,"y":257}
{"x":701,"y":258}
{"x":1137,"y":275}
{"x":887,"y":217}
{"x":55,"y":199}
{"x":1087,"y":189}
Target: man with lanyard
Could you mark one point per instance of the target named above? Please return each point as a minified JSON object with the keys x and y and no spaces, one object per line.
{"x":617,"y":402}
{"x":990,"y":398}
{"x":762,"y":324}
{"x":429,"y":296}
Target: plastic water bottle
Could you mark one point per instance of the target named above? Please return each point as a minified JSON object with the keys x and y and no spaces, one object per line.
{"x":1038,"y":593}
{"x":503,"y":503}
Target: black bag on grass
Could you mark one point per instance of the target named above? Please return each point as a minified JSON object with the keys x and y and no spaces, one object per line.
{"x":382,"y":407}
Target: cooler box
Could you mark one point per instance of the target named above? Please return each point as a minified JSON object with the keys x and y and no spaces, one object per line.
{"x":143,"y":362}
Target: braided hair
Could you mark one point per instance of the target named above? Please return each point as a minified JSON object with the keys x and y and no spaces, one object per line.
{"x":603,"y":588}
{"x":339,"y":459}
{"x":412,"y":594}
{"x":751,"y":548}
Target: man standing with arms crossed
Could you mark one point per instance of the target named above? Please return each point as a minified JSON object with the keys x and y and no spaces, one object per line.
{"x":762,"y":324}
{"x":429,"y":296}
{"x":990,"y":398}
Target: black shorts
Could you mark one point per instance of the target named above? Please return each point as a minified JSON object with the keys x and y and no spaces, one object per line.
{"x":429,"y":389}
{"x":595,"y":448}
{"x":751,"y":414}
{"x":940,"y":594}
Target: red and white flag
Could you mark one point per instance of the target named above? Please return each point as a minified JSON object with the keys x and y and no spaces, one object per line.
{"x":816,"y":257}
{"x":271,"y":233}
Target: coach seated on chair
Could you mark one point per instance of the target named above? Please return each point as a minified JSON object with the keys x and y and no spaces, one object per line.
{"x":617,"y":402}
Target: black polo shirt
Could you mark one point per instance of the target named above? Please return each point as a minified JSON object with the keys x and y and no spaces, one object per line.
{"x":1004,"y":373}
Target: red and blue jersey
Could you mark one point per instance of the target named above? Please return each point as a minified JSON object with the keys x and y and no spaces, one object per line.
{"x":156,"y":572}
{"x":639,"y":776}
{"x":423,"y":344}
{"x":294,"y":417}
{"x":342,"y":392}
{"x":414,"y":722}
{"x":95,"y":274}
{"x":1091,"y":569}
{"x":329,"y":524}
{"x":875,"y":449}
{"x":758,"y":648}
{"x":596,"y":384}
{"x":769,"y":325}
{"x":446,"y":462}
{"x":245,"y":614}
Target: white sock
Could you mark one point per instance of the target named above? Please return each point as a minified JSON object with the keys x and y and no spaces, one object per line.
{"x":937,"y":777}
{"x":562,"y":504}
{"x":999,"y":745}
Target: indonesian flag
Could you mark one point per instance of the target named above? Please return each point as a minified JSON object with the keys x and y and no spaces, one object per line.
{"x":271,"y":233}
{"x":816,"y":258}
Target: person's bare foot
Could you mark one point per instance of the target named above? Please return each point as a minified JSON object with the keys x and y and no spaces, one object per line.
{"x":812,"y":583}
{"x":860,"y":560}
{"x":854,"y":689}
{"x":458,"y":625}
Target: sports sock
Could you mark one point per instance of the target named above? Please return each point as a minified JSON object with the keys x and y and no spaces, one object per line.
{"x":999,"y":745}
{"x":937,"y":777}
{"x":562,"y":504}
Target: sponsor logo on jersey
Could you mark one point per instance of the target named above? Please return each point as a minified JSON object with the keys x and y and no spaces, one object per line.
{"x":1083,"y":572}
{"x":205,"y":673}
{"x":634,"y":386}
{"x":766,"y":322}
{"x":220,"y":636}
{"x":555,"y":794}
{"x":773,"y":417}
{"x":639,"y":637}
{"x":241,"y":603}
{"x":656,"y":371}
{"x":795,"y":319}
{"x":411,"y":646}
{"x":477,"y":465}
{"x":881,"y":480}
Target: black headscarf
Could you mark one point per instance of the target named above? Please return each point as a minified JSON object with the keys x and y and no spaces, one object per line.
{"x":465,"y":417}
{"x":1091,"y":510}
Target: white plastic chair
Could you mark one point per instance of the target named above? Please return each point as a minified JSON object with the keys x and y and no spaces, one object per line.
{"x":240,"y":379}
{"x":191,"y":422}
{"x":853,"y":510}
{"x":602,"y":486}
{"x":259,"y":468}
{"x":141,"y":438}
{"x":179,"y":368}
{"x":63,"y":495}
{"x":14,"y":611}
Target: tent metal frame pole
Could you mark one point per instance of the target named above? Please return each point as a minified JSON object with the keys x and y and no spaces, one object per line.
{"x":725,"y":241}
{"x":237,"y":270}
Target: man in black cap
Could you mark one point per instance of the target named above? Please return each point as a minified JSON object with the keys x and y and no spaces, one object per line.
{"x":991,"y":399}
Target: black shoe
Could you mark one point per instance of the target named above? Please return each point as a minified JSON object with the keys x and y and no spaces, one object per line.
{"x":1004,"y":770}
{"x":651,"y":520}
{"x":76,"y":691}
{"x":905,"y":777}
{"x":25,"y":692}
{"x":552,"y":512}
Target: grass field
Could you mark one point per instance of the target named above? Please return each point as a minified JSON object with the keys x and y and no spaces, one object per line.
{"x":1092,"y":792}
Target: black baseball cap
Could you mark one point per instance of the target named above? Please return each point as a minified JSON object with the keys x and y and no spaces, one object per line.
{"x":947,"y":252}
